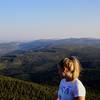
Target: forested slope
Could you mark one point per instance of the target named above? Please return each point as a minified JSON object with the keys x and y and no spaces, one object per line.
{"x":13,"y":89}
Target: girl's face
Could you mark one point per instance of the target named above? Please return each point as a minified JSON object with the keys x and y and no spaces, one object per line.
{"x":62,"y":72}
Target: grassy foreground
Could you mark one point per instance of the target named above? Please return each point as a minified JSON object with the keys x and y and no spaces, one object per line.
{"x":14,"y":89}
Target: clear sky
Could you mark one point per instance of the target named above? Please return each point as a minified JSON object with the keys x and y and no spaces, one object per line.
{"x":39,"y":19}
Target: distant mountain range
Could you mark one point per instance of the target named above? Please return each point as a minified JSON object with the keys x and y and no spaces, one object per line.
{"x":47,"y":42}
{"x":43,"y":43}
{"x":8,"y":47}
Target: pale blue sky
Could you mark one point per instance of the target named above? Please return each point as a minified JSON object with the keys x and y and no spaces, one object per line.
{"x":39,"y":19}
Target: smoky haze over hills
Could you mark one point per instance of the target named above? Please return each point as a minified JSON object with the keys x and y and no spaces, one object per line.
{"x":44,"y":43}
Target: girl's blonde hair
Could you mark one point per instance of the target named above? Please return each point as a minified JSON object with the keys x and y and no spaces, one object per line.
{"x":73,"y":66}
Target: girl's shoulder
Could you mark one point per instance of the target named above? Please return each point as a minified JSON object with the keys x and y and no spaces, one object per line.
{"x":78,"y":83}
{"x":79,"y":89}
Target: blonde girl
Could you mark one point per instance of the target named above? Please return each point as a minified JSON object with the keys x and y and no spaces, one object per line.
{"x":70,"y":88}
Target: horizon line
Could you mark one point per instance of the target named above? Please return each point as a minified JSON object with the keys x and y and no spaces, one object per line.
{"x":19,"y":41}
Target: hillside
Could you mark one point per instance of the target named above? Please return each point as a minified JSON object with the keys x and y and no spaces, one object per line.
{"x":25,"y":64}
{"x":14,"y":89}
{"x":36,"y":65}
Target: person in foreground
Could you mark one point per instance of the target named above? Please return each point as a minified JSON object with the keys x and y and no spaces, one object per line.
{"x":70,"y":88}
